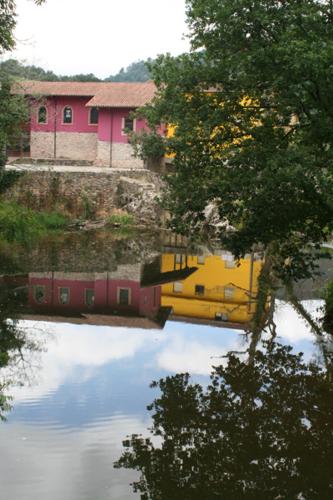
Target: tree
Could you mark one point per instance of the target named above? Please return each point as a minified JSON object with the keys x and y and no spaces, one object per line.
{"x":13,"y":112}
{"x":252,"y":110}
{"x":8,"y":23}
{"x":13,"y":115}
{"x":136,"y":72}
{"x":19,"y":350}
{"x":260,"y":430}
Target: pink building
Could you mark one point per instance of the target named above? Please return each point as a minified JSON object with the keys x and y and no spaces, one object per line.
{"x":95,"y":298}
{"x":85,"y":121}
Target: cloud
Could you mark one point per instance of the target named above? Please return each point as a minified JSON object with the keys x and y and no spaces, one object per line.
{"x":290,"y":325}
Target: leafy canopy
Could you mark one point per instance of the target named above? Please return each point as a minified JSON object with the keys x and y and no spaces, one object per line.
{"x":252,"y":109}
{"x":260,"y":430}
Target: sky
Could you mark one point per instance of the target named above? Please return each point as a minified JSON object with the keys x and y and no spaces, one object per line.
{"x":97,"y":36}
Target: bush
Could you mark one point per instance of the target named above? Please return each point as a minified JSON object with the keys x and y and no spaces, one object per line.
{"x":7,"y":179}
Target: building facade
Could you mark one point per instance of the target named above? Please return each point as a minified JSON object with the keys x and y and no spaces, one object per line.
{"x":85,"y":121}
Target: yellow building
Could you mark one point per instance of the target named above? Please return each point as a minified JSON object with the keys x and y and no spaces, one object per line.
{"x":220,"y":290}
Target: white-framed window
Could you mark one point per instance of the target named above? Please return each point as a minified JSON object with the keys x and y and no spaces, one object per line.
{"x":42,"y":115}
{"x":93,"y":116}
{"x":179,"y":258}
{"x":128,"y":124}
{"x":229,"y":292}
{"x":67,"y":115}
{"x":64,"y":295}
{"x":178,"y":287}
{"x":220,"y":316}
{"x":230,"y":264}
{"x":123,"y":296}
{"x":229,"y":260}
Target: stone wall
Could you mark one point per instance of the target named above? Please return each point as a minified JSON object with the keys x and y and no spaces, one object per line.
{"x":76,"y":145}
{"x":90,"y":195}
{"x":121,"y":156}
{"x":42,"y":144}
{"x":71,"y":145}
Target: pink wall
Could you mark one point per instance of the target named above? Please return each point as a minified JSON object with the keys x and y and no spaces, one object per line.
{"x":80,"y":115}
{"x":107,"y":117}
{"x":144,"y":301}
{"x":115,"y":116}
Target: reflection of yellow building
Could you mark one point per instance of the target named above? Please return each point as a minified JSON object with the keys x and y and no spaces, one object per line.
{"x":220,"y":290}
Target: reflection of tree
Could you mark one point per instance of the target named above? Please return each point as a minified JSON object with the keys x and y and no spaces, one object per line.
{"x":261,"y":430}
{"x":16,"y":368}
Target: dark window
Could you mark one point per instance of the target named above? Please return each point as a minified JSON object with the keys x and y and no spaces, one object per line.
{"x":39,"y":294}
{"x":128,"y":124}
{"x":93,"y":116}
{"x":90,"y":297}
{"x":199,"y":290}
{"x":123,"y":296}
{"x":42,"y":115}
{"x":68,"y":115}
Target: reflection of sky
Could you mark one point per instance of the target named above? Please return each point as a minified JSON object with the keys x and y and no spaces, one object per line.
{"x":106,"y":370}
{"x":93,"y":390}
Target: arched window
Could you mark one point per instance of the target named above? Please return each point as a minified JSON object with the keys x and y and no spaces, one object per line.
{"x":93,"y":116}
{"x":67,"y":116}
{"x":42,"y":114}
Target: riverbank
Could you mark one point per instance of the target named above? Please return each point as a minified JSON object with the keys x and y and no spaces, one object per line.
{"x":89,"y":193}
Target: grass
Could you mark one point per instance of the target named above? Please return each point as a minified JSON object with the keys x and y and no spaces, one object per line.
{"x":21,"y":224}
{"x":121,"y":219}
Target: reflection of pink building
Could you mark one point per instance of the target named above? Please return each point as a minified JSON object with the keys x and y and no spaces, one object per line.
{"x":83,"y":292}
{"x":109,"y":298}
{"x":85,"y":121}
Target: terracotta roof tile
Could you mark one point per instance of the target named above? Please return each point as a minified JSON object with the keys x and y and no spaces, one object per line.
{"x":103,"y":94}
{"x":124,"y":95}
{"x":84,"y":89}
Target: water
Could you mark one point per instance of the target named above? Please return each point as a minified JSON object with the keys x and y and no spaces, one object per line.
{"x":97,"y":318}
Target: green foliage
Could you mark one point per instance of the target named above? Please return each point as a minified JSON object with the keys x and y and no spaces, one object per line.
{"x":260,"y":430}
{"x":147,"y":146}
{"x":88,"y":210}
{"x":136,"y":72}
{"x":8,"y":23}
{"x":21,"y":224}
{"x":259,"y":146}
{"x":11,"y":68}
{"x":328,"y":308}
{"x":121,"y":219}
{"x":14,"y":343}
{"x":8,"y":178}
{"x":13,"y":115}
{"x":15,"y":70}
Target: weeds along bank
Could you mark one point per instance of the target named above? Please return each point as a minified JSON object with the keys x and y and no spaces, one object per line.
{"x":20,"y":223}
{"x":89,"y":195}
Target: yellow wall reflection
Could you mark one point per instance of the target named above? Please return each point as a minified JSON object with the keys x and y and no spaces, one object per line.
{"x":220,"y":290}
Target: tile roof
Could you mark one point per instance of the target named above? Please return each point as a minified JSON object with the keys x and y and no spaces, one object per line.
{"x":31,"y":87}
{"x":103,"y":94}
{"x":123,"y":95}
